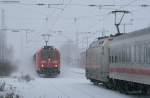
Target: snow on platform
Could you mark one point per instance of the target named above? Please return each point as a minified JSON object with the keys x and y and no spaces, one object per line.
{"x":71,"y":83}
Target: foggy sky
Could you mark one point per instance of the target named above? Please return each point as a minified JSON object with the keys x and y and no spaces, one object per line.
{"x":88,"y":19}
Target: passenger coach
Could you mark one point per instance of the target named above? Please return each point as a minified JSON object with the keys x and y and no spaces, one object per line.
{"x":121,"y":61}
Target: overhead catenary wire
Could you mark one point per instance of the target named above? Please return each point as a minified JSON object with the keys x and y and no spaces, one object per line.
{"x":103,"y":6}
{"x":106,"y":15}
{"x":58,"y":17}
{"x":49,"y":5}
{"x":131,"y":2}
{"x":120,"y":7}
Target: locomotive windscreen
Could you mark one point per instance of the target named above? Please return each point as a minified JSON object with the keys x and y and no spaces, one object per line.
{"x":48,"y":53}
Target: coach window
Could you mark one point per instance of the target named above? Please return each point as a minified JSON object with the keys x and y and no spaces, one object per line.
{"x":126,"y":55}
{"x":113,"y":54}
{"x":140,"y":54}
{"x":109,"y":55}
{"x":132,"y":54}
{"x":137,"y":54}
{"x":113,"y":59}
{"x":110,"y":58}
{"x":135,"y":51}
{"x":136,"y":58}
{"x":144,"y":53}
{"x":119,"y":55}
{"x":123,"y":56}
{"x":148,"y":55}
{"x":129,"y":54}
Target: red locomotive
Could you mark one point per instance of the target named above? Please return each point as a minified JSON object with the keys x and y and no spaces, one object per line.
{"x":47,"y":61}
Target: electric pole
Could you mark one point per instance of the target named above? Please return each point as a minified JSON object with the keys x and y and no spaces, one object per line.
{"x":2,"y":36}
{"x":77,"y":34}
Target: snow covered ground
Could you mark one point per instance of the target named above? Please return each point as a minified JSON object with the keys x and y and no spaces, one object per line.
{"x":71,"y":83}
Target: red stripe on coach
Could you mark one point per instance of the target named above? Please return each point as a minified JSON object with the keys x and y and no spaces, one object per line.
{"x":135,"y":71}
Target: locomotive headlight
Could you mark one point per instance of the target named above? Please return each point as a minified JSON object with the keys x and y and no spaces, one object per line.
{"x":42,"y":65}
{"x":55,"y":65}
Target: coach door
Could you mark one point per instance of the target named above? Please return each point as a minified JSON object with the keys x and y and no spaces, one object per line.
{"x":105,"y":64}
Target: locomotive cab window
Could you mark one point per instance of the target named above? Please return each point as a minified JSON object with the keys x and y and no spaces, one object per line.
{"x":49,"y":54}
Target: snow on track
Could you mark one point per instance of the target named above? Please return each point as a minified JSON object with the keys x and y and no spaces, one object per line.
{"x":71,"y":83}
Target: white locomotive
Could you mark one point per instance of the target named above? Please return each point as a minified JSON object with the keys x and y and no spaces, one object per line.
{"x":121,"y":62}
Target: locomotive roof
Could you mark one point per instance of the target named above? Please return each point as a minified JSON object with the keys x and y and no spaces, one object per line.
{"x":133,"y":34}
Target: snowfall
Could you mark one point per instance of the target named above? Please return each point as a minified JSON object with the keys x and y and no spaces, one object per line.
{"x":71,"y":83}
